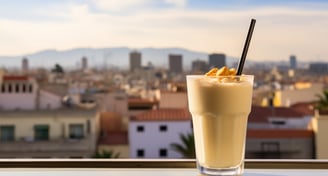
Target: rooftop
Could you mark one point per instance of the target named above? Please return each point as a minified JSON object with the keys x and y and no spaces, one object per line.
{"x":172,"y":114}
{"x":15,"y":78}
{"x":71,"y":112}
{"x":279,"y":133}
{"x":57,"y":89}
{"x":261,"y":114}
{"x":306,"y":108}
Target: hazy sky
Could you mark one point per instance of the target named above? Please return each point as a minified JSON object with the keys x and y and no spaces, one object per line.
{"x":283,"y":27}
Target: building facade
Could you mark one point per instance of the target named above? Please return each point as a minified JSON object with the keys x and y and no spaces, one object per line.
{"x":152,"y":133}
{"x":175,"y":63}
{"x":318,"y":68}
{"x":135,"y":61}
{"x":280,"y":144}
{"x":279,"y":133}
{"x":199,"y":66}
{"x":34,"y":123}
{"x":25,"y":66}
{"x":84,"y":64}
{"x":64,"y":133}
{"x":18,"y":93}
{"x":217,"y":60}
{"x":293,"y":62}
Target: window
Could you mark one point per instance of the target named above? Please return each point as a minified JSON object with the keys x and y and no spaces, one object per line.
{"x":162,"y":152}
{"x":30,"y":88}
{"x":140,"y":128}
{"x":3,"y":88}
{"x":140,"y":153}
{"x":9,"y":88}
{"x":88,"y":126}
{"x":7,"y":133}
{"x":17,"y":88}
{"x":24,"y":88}
{"x":41,"y":132}
{"x":76,"y":131}
{"x":278,"y":122}
{"x":163,"y":128}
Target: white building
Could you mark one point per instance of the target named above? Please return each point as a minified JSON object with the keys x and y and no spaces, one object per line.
{"x":23,"y":93}
{"x":151,"y":133}
{"x":18,"y":93}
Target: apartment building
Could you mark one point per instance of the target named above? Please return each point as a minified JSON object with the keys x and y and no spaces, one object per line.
{"x":18,"y":92}
{"x":300,"y":92}
{"x":280,"y":133}
{"x":151,"y":133}
{"x":61,"y":133}
{"x":35,"y":123}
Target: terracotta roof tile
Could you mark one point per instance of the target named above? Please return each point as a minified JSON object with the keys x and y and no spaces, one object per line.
{"x":306,"y":108}
{"x":15,"y":78}
{"x":279,"y":133}
{"x":178,"y":114}
{"x":261,"y":114}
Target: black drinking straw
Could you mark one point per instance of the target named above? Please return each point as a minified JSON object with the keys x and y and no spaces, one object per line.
{"x":246,"y":46}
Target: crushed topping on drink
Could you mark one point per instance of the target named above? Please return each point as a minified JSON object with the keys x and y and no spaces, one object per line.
{"x":224,"y":71}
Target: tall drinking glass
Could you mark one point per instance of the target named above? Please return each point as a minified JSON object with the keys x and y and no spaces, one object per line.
{"x":220,"y":107}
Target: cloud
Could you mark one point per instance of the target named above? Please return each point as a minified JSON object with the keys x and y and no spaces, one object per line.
{"x":278,"y":33}
{"x":178,"y":3}
{"x":134,"y":5}
{"x":119,"y":5}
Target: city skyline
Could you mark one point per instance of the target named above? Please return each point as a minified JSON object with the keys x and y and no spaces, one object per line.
{"x":282,"y":29}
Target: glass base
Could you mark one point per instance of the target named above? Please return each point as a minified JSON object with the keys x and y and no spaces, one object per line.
{"x":222,"y":171}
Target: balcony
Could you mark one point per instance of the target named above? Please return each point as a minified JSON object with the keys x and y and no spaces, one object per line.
{"x":53,"y":148}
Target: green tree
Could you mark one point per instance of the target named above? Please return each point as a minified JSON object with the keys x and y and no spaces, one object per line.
{"x":322,"y":104}
{"x":106,"y":154}
{"x":187,"y":146}
{"x":57,"y":69}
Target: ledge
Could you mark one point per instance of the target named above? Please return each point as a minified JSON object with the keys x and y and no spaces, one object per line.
{"x":153,"y":163}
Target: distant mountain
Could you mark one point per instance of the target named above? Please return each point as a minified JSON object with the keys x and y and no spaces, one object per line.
{"x":101,"y":57}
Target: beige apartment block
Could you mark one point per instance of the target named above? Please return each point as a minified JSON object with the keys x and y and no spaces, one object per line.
{"x":170,"y":99}
{"x":61,"y":133}
{"x":305,"y":92}
{"x":320,"y":125}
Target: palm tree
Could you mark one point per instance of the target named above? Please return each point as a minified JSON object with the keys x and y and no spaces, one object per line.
{"x":187,"y":148}
{"x":322,"y":104}
{"x":106,"y":154}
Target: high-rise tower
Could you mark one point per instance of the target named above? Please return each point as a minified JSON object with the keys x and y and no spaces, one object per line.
{"x":217,"y":60}
{"x":135,"y":60}
{"x":175,"y":63}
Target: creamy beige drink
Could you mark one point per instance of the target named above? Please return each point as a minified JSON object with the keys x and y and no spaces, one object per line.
{"x":220,"y":108}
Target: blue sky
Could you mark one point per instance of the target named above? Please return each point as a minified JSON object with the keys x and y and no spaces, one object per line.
{"x":283,"y":27}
